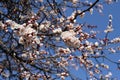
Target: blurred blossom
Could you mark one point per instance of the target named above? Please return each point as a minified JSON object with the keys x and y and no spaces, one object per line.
{"x":115,"y":40}
{"x":67,"y":34}
{"x":109,"y":1}
{"x":109,"y":27}
{"x":21,"y":40}
{"x":82,"y":15}
{"x":58,"y":30}
{"x":72,"y":16}
{"x":57,"y":38}
{"x":61,"y":19}
{"x":97,"y":54}
{"x":29,"y":30}
{"x":79,"y":11}
{"x":45,"y":25}
{"x":70,"y":39}
{"x":13,"y":24}
{"x":96,"y":44}
{"x":87,"y":42}
{"x":24,"y":55}
{"x":112,"y":50}
{"x":42,"y":26}
{"x":37,"y":40}
{"x":97,"y":71}
{"x":91,"y":11}
{"x":97,"y":66}
{"x":74,"y":1}
{"x":64,"y":51}
{"x":2,"y":26}
{"x":104,"y":66}
{"x":25,"y":74}
{"x":100,"y":6}
{"x":91,"y":73}
{"x":108,"y":75}
{"x":100,"y":10}
{"x":89,"y":48}
{"x":40,"y":0}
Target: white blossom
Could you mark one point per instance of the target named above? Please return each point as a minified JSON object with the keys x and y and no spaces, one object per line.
{"x":74,"y":1}
{"x":61,"y":19}
{"x":112,"y":50}
{"x":97,"y":66}
{"x":21,"y":40}
{"x":37,"y":40}
{"x":29,"y":30}
{"x":104,"y":66}
{"x":67,"y":34}
{"x":115,"y":40}
{"x":64,"y":51}
{"x":109,"y":29}
{"x":42,"y":26}
{"x":82,"y":15}
{"x":96,"y":44}
{"x":24,"y":55}
{"x":108,"y":75}
{"x":58,"y":30}
{"x":91,"y":11}
{"x":1,"y":24}
{"x":87,"y":42}
{"x":45,"y":25}
{"x":70,"y":39}
{"x":109,"y":1}
{"x":91,"y":73}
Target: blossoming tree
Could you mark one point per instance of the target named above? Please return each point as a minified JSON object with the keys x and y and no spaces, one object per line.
{"x":44,"y":40}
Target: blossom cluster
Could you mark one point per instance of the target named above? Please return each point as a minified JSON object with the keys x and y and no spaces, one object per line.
{"x":70,"y":39}
{"x":109,"y":27}
{"x":27,"y":35}
{"x":115,"y":40}
{"x":64,"y":51}
{"x":110,"y":1}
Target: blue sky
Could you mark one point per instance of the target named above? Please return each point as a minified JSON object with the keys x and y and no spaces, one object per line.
{"x":101,"y":20}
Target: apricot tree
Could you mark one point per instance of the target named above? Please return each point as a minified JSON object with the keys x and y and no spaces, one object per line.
{"x":44,"y":40}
